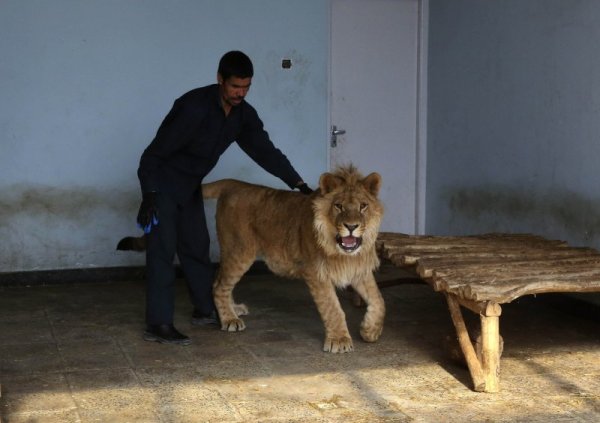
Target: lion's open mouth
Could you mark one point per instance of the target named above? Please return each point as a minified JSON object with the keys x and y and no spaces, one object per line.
{"x":348,"y":243}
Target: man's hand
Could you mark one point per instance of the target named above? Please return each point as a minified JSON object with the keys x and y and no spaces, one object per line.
{"x":148,"y":213}
{"x":304,"y":189}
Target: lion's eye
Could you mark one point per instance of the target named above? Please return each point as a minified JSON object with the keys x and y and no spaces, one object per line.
{"x":363,"y":206}
{"x":338,"y":206}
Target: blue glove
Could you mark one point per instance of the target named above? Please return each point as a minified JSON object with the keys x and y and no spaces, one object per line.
{"x":148,"y":213}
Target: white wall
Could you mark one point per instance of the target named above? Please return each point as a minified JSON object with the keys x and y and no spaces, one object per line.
{"x":514,"y":118}
{"x":85,"y":84}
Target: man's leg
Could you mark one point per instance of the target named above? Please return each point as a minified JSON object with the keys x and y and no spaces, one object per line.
{"x":160,"y":287}
{"x":160,"y":274}
{"x":193,"y":250}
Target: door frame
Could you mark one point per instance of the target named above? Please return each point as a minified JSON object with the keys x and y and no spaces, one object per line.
{"x":421,"y":112}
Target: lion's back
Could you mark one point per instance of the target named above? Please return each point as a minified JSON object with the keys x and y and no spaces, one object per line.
{"x":294,"y":232}
{"x":272,"y":223}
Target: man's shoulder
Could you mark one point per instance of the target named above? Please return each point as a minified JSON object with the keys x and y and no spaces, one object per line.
{"x":248,"y":111}
{"x":199,"y":94}
{"x":198,"y":100}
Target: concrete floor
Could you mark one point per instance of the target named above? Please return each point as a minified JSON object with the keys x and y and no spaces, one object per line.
{"x":74,"y":353}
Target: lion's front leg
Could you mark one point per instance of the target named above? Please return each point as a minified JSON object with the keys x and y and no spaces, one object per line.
{"x":372,"y":324}
{"x":337,"y":337}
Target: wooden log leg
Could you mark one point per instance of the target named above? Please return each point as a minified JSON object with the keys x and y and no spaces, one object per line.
{"x":490,"y":351}
{"x":477,"y":375}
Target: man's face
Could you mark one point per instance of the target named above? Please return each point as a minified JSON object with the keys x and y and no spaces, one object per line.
{"x":234,"y":89}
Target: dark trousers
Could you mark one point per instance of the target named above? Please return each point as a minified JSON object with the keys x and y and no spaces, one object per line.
{"x":182,"y":230}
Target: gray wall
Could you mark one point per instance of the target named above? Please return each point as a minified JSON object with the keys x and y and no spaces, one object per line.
{"x":514,"y":118}
{"x":85,"y":84}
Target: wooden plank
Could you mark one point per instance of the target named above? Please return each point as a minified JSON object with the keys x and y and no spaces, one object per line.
{"x":502,"y":278}
{"x":447,"y":242}
{"x":411,"y":257}
{"x":520,"y":237}
{"x":443,"y":260}
{"x":510,"y":293}
{"x":426,"y":266}
{"x":442,"y":249}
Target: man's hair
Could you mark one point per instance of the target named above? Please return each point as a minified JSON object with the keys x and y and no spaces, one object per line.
{"x":235,"y":63}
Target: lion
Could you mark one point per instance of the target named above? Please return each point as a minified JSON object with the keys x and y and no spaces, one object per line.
{"x":326,"y":238}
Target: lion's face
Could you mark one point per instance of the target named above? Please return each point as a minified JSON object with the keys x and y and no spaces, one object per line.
{"x":348,"y":213}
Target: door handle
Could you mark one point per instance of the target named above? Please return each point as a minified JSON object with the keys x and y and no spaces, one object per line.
{"x":334,"y":133}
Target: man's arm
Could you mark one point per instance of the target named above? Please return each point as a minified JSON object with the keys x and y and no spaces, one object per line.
{"x":304,"y":188}
{"x":255,"y":142}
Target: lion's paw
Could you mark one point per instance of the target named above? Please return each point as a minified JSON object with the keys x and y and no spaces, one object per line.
{"x":241,"y":309}
{"x":233,"y":325}
{"x":338,"y":345}
{"x":371,"y":334}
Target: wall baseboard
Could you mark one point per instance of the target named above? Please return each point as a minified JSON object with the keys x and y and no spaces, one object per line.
{"x":93,"y":275}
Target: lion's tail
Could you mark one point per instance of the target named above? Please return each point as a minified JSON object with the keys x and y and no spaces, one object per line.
{"x":131,"y":243}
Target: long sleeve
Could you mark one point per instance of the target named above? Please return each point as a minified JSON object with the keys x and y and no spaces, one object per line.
{"x":255,"y":142}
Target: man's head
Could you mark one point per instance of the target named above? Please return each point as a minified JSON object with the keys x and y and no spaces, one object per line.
{"x":235,"y":63}
{"x":234,"y":77}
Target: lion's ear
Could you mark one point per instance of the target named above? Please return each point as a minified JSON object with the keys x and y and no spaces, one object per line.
{"x":328,"y":182}
{"x":372,"y":183}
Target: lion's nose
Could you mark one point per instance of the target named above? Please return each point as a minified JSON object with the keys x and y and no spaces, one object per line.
{"x":350,"y":227}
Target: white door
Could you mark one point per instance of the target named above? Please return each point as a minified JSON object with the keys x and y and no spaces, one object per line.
{"x":374,"y":99}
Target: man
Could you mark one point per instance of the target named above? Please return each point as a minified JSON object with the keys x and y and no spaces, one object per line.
{"x":192,"y":137}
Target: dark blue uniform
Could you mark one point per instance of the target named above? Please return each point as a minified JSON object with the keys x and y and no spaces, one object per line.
{"x":187,"y":146}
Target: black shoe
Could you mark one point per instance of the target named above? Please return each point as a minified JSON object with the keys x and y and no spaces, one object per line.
{"x":200,"y":319}
{"x":165,"y":334}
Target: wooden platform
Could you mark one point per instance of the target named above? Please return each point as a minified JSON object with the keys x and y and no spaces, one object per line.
{"x":481,"y":272}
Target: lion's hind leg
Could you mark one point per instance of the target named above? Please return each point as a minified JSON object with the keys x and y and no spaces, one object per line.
{"x":240,"y":309}
{"x":372,"y":323}
{"x":227,"y":278}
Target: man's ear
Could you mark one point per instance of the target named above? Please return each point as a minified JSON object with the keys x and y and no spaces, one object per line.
{"x":219,"y":78}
